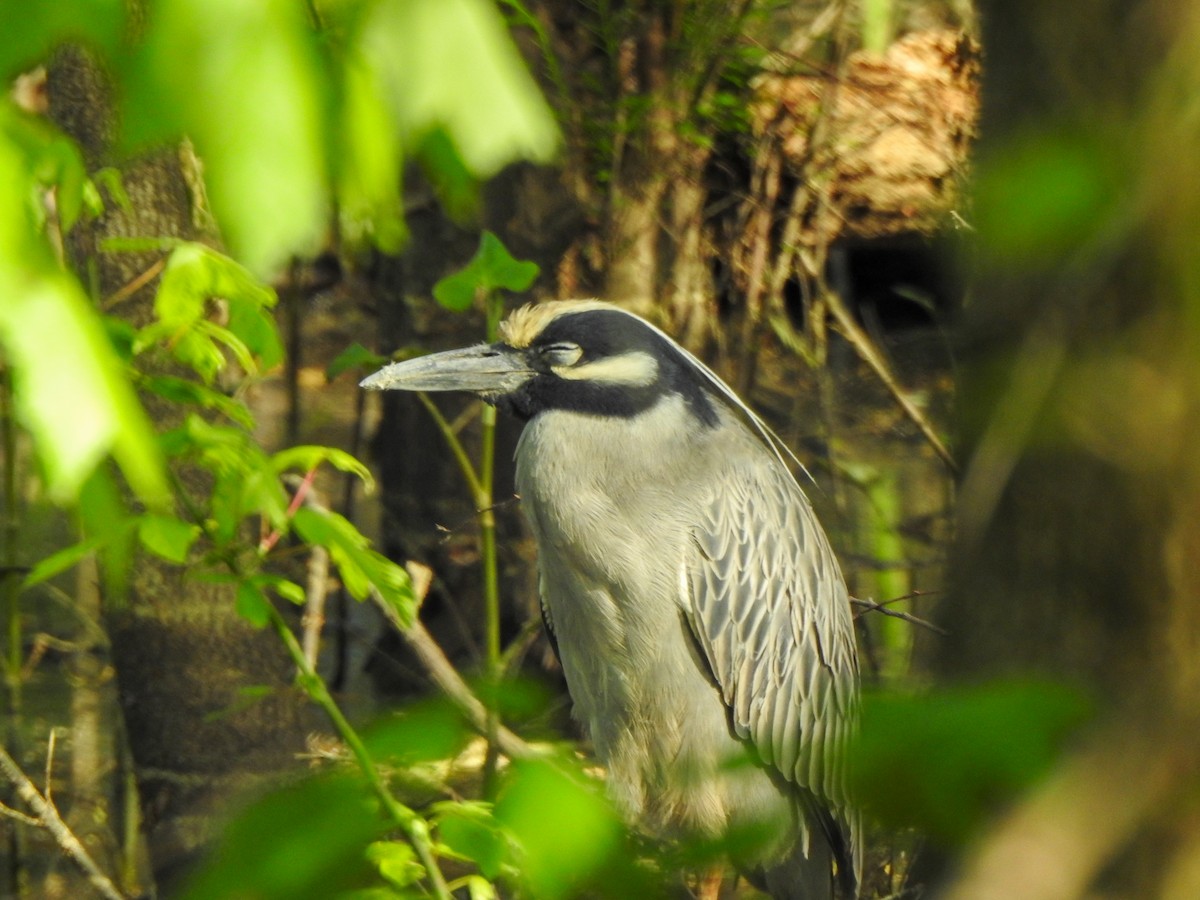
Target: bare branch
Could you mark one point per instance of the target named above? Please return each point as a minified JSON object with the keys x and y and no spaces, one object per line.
{"x":871,"y":606}
{"x":870,"y":354}
{"x":446,"y":677}
{"x":48,"y":818}
{"x":316,"y":590}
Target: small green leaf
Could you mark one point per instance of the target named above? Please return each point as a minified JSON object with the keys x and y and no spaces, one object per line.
{"x":252,"y":604}
{"x":396,"y":862}
{"x":167,"y":536}
{"x":64,"y":559}
{"x":307,"y":457}
{"x":356,"y":356}
{"x":288,"y":590}
{"x":491,"y":268}
{"x":361,"y":567}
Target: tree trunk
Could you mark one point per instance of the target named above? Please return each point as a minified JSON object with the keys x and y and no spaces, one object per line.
{"x":181,"y":653}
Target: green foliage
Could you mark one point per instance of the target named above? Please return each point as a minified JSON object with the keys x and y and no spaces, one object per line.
{"x":167,"y":536}
{"x":1037,"y":195}
{"x":362,"y":569}
{"x":491,"y":269}
{"x":31,"y":36}
{"x":308,"y":840}
{"x":195,"y":274}
{"x":424,"y":732}
{"x":356,"y":356}
{"x":291,"y":118}
{"x":460,"y":74}
{"x":253,"y":104}
{"x":944,"y":761}
{"x":71,"y":393}
{"x":564,"y":827}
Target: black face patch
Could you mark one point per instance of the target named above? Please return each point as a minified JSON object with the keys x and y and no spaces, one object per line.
{"x":605,"y":334}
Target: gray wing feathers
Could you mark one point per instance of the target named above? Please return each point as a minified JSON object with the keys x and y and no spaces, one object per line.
{"x":766,"y":599}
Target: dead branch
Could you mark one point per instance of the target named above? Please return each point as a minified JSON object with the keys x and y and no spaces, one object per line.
{"x":871,"y":606}
{"x":446,"y":677}
{"x":869,"y":353}
{"x":47,"y":817}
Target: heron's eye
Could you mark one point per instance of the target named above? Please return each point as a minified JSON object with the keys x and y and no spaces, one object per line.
{"x":561,"y":353}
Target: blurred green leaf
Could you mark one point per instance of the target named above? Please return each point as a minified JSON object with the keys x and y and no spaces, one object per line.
{"x":565,"y":827}
{"x":359,"y":565}
{"x":167,"y":536}
{"x":33,"y":30}
{"x":192,"y":393}
{"x":471,"y":831}
{"x":424,"y":732}
{"x":452,"y":64}
{"x":71,"y":391}
{"x":369,"y":162}
{"x":59,"y":562}
{"x":252,"y":605}
{"x":457,"y":187}
{"x":356,"y":356}
{"x":1039,"y":196}
{"x":491,"y":268}
{"x":305,"y":840}
{"x":104,"y":515}
{"x":245,"y":82}
{"x":944,"y":761}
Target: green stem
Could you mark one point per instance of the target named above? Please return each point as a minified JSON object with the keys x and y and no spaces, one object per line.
{"x":484,"y":501}
{"x":456,"y":447}
{"x":415,"y":828}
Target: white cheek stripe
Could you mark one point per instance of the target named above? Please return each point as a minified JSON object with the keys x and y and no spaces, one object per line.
{"x":636,"y":369}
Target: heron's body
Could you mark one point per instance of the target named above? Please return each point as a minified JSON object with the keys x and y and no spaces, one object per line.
{"x":699,"y":613}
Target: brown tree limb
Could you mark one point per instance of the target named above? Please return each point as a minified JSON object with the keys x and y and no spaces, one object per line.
{"x":443,"y":674}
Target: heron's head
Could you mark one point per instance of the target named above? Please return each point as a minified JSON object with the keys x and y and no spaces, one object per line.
{"x":584,"y":356}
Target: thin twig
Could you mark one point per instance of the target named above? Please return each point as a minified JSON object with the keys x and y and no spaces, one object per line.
{"x":871,"y":606}
{"x":48,"y":791}
{"x":131,"y":287}
{"x":49,"y":819}
{"x":870,"y":354}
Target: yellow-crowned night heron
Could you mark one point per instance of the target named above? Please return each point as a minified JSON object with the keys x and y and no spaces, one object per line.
{"x":693,"y":598}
